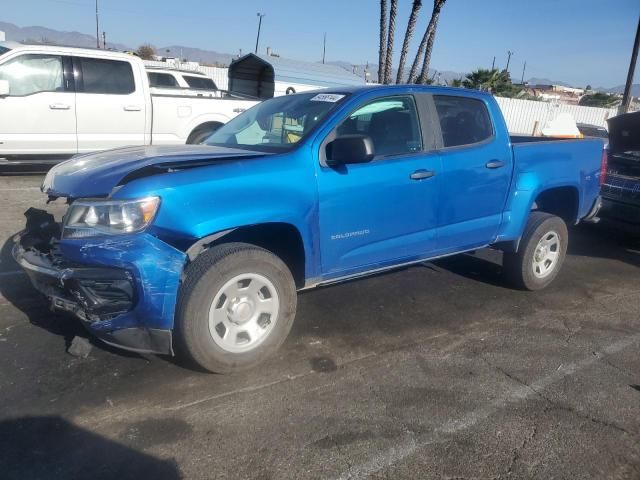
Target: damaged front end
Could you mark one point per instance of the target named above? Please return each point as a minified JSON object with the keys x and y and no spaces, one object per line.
{"x":122,"y":288}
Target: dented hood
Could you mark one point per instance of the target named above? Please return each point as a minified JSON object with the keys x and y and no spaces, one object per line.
{"x":624,"y":133}
{"x":96,"y":174}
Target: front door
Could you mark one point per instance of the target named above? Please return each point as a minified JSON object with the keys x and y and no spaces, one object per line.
{"x":111,"y":104}
{"x":38,"y":116}
{"x":384,"y":211}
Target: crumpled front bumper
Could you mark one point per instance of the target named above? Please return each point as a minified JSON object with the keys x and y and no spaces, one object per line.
{"x":123,"y":289}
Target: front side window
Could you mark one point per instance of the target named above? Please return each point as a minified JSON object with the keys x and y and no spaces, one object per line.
{"x":199,"y":83}
{"x":4,"y":50}
{"x":162,"y":80}
{"x":29,"y":74}
{"x":106,"y":76}
{"x":391,"y":122}
{"x":277,"y":124}
{"x":463,"y":120}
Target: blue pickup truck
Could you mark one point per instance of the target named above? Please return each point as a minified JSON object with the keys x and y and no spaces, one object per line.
{"x":200,"y":249}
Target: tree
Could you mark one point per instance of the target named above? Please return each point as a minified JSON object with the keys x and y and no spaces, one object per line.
{"x":437,"y":6}
{"x":146,"y":52}
{"x":587,"y":88}
{"x":424,"y":74}
{"x":382,"y":51}
{"x":599,"y":99}
{"x":388,"y":64}
{"x":411,"y":26}
{"x":495,"y":81}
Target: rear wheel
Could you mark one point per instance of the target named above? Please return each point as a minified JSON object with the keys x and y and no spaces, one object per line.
{"x":203,"y":132}
{"x":236,"y":307}
{"x":541,"y":254}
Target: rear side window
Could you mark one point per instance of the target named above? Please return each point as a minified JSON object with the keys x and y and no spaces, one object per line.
{"x":29,"y":74}
{"x":106,"y":76}
{"x":162,"y":80}
{"x":391,"y":122}
{"x":199,"y":83}
{"x":463,"y":121}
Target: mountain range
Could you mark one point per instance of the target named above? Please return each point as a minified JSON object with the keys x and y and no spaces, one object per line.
{"x":37,"y":34}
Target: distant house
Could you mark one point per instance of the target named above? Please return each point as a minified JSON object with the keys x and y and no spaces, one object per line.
{"x":2,"y":36}
{"x":557,"y":93}
{"x":266,"y":76}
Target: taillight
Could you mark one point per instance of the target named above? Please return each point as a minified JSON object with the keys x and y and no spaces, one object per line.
{"x":603,"y":166}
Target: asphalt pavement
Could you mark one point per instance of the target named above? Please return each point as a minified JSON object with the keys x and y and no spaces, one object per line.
{"x":434,"y":371}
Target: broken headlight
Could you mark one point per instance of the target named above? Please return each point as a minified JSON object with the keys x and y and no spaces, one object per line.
{"x":109,"y":217}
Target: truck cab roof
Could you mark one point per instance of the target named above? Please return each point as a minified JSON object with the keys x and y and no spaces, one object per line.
{"x":62,"y":50}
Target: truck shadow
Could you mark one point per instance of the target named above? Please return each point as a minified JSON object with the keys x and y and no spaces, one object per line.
{"x":594,"y":241}
{"x":51,"y":447}
{"x":16,"y":288}
{"x":605,"y":241}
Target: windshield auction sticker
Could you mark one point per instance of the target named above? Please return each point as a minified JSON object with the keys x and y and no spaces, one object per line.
{"x":327,"y":97}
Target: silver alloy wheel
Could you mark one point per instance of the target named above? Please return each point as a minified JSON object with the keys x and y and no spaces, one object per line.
{"x":243,"y":312}
{"x":546,"y":255}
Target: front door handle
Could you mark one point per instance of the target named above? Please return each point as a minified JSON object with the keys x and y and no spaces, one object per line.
{"x":59,"y":106}
{"x":421,"y":174}
{"x":132,"y":108}
{"x":494,"y":164}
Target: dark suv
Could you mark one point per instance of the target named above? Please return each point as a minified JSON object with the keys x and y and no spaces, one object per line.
{"x":621,"y":190}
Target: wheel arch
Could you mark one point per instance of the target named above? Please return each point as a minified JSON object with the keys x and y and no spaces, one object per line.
{"x":202,"y":126}
{"x":281,"y":238}
{"x":560,"y":200}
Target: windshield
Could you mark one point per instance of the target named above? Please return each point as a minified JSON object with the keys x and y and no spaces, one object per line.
{"x":3,"y":50}
{"x":277,"y":124}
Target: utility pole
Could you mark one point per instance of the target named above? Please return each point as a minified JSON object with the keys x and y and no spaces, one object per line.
{"x":626,"y":97}
{"x":324,"y":46}
{"x":493,"y":64}
{"x":509,"y":53}
{"x":523,"y":70}
{"x":260,"y":15}
{"x":97,"y":27}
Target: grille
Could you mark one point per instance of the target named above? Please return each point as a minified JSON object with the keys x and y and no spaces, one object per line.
{"x":621,"y":187}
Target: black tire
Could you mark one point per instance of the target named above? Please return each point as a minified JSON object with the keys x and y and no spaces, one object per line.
{"x":519,"y":266}
{"x":201,"y":133}
{"x":204,"y":279}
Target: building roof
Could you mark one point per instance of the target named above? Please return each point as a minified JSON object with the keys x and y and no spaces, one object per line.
{"x":311,"y":73}
{"x":258,"y":73}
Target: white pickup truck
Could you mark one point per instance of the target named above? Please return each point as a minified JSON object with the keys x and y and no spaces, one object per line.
{"x":56,"y":102}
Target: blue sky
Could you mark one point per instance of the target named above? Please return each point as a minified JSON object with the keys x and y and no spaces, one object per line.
{"x":578,"y":41}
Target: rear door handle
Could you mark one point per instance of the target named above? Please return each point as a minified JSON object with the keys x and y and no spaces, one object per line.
{"x":132,"y":108}
{"x":494,"y":164}
{"x":421,"y":174}
{"x":59,"y":106}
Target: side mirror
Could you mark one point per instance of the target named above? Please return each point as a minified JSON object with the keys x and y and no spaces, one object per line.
{"x":350,"y":149}
{"x":5,"y":89}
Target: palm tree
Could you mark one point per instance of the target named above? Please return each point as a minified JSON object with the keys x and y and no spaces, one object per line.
{"x":382,"y":52}
{"x":424,"y":74}
{"x":437,"y":6}
{"x":411,"y":26}
{"x":388,"y":64}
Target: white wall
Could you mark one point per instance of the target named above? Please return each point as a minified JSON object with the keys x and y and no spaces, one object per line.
{"x":521,"y":115}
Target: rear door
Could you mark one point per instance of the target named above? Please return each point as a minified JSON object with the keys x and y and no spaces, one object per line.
{"x":38,"y":117}
{"x":110,"y":103}
{"x":384,"y":211}
{"x":476,"y":172}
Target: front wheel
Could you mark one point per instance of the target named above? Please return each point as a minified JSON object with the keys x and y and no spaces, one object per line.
{"x":236,"y":307}
{"x":541,"y":253}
